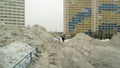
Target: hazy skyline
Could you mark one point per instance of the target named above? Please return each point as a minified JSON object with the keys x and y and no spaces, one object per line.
{"x":47,"y":13}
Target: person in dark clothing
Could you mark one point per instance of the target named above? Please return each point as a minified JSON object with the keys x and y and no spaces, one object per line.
{"x":63,"y":37}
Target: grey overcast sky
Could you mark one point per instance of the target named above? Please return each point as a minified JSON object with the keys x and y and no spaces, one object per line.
{"x":48,"y":13}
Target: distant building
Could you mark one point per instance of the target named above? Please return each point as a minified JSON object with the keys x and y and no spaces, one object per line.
{"x":81,"y":16}
{"x":12,"y":12}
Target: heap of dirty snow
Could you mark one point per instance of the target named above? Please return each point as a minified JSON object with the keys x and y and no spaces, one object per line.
{"x":116,"y":40}
{"x":34,"y":36}
{"x":14,"y":43}
{"x":80,"y":39}
{"x":84,"y":39}
{"x":13,"y":53}
{"x":100,"y":54}
{"x":83,"y":52}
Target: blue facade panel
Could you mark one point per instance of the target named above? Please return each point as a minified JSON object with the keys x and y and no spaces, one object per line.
{"x":79,"y":18}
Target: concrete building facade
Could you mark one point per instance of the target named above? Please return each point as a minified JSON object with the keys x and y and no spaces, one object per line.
{"x":81,"y":16}
{"x":12,"y":12}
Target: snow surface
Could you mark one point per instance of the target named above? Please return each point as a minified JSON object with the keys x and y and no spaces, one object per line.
{"x":105,"y":40}
{"x":33,"y":36}
{"x":14,"y":43}
{"x":13,"y":53}
{"x":84,"y":52}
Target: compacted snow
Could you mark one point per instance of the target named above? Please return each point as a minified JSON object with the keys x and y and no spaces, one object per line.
{"x":80,"y":51}
{"x":13,"y":53}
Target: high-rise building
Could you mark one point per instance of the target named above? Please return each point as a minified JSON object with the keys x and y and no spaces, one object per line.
{"x":12,"y":12}
{"x":109,"y":15}
{"x":91,"y":15}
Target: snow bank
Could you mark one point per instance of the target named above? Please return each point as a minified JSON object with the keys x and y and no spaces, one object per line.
{"x":80,"y":39}
{"x":83,"y":39}
{"x":100,"y":54}
{"x":13,"y":53}
{"x":84,"y":52}
{"x":33,"y":36}
{"x":116,"y":40}
{"x":71,"y":58}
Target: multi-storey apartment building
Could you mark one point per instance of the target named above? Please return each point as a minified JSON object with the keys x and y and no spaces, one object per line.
{"x":96,"y":15}
{"x":12,"y":12}
{"x":109,"y":15}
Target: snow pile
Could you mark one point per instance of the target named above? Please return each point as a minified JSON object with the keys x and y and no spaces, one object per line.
{"x":83,"y":39}
{"x":98,"y":42}
{"x":13,"y":53}
{"x":35,"y":35}
{"x":84,"y":52}
{"x":71,"y":58}
{"x":80,"y":39}
{"x":116,"y":40}
{"x":100,"y":54}
{"x":55,"y":55}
